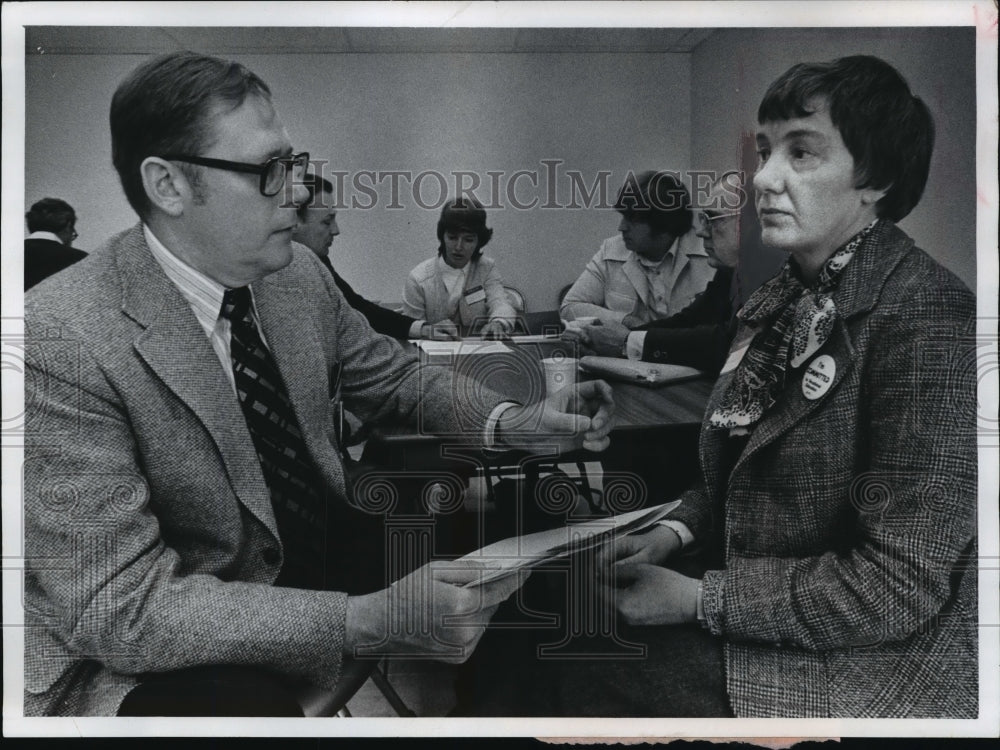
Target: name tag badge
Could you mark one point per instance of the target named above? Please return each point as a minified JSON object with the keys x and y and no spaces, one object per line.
{"x":736,"y":355}
{"x":818,"y":377}
{"x":477,"y":294}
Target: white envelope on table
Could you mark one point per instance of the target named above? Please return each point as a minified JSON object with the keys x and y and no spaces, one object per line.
{"x":635,"y":371}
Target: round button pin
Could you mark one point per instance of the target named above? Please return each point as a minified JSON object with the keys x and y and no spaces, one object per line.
{"x":818,"y":377}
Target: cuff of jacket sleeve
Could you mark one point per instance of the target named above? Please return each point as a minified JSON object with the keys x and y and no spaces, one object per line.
{"x":713,"y":600}
{"x":700,"y":606}
{"x":490,"y":441}
{"x":634,"y":344}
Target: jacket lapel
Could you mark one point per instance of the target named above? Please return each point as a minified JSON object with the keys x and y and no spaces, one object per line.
{"x":441,"y":310}
{"x":298,"y":352}
{"x":637,"y":277}
{"x":857,"y":294}
{"x":175,"y":347}
{"x":792,"y":406}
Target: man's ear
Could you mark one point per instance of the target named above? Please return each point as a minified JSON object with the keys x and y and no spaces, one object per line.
{"x":166,"y":186}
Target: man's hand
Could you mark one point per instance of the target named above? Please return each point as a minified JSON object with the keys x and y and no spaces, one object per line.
{"x":575,"y":416}
{"x":606,"y":338}
{"x":427,"y":613}
{"x":576,"y":335}
{"x":654,"y":546}
{"x":443,"y":330}
{"x":650,"y":595}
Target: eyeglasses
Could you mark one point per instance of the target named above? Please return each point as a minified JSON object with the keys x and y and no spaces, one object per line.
{"x":273,"y":173}
{"x":706,"y":218}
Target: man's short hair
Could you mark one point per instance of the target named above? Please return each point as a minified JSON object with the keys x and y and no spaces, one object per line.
{"x":316,"y":185}
{"x":888,"y":130}
{"x":164,"y":106}
{"x":658,"y":199}
{"x":50,"y":215}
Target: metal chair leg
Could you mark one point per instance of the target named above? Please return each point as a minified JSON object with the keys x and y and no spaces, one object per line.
{"x":389,"y":692}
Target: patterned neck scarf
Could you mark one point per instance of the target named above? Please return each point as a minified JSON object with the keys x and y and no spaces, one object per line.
{"x":794,"y":322}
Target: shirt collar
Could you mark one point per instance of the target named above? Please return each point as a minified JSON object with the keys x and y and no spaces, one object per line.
{"x":652,"y":265}
{"x":42,"y":235}
{"x":202,"y":293}
{"x":450,"y":271}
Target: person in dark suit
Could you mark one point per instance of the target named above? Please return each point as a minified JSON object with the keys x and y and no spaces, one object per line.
{"x":190,"y":536}
{"x":47,"y":249}
{"x":317,"y":229}
{"x":699,"y":335}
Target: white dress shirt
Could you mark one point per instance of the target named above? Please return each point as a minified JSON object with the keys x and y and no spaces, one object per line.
{"x":204,"y":295}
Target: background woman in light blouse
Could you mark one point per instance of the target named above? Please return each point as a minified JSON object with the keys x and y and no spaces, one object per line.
{"x":460,"y":284}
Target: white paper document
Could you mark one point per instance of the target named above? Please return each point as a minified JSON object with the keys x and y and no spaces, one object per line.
{"x":461,"y":348}
{"x":516,"y":553}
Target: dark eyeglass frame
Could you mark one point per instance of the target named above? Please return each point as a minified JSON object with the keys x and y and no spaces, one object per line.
{"x":290,"y":162}
{"x":707,"y":219}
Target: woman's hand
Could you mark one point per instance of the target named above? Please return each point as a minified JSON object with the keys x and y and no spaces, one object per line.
{"x":496,"y":329}
{"x":654,"y":546}
{"x":650,"y":595}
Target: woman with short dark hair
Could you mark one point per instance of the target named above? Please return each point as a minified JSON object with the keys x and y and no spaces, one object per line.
{"x":838,"y":448}
{"x":460,"y":284}
{"x":835,"y":523}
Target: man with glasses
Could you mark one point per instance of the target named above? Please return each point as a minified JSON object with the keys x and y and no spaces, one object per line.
{"x":48,"y":248}
{"x":698,"y":336}
{"x":192,"y":544}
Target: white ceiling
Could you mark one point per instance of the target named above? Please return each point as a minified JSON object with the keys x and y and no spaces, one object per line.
{"x":103,"y":40}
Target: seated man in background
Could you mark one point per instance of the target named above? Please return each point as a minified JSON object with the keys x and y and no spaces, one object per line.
{"x":316,"y":230}
{"x":654,"y":269}
{"x":699,"y":335}
{"x":47,"y":249}
{"x":192,"y":546}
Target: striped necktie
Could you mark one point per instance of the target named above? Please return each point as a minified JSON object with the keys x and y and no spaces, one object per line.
{"x":294,"y":483}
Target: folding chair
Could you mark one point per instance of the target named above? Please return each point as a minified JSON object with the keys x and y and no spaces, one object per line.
{"x":316,"y":701}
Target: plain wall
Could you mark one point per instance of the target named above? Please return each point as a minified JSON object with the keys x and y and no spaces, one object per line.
{"x":415,"y":112}
{"x":507,"y":112}
{"x":732,"y":69}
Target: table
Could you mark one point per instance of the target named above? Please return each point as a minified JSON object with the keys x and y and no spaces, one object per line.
{"x":654,"y":437}
{"x":518,"y":373}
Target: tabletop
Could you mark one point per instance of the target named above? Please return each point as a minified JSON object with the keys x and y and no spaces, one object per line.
{"x":517,"y":371}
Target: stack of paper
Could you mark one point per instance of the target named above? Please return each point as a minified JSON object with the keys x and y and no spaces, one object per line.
{"x":461,"y":348}
{"x":508,"y":556}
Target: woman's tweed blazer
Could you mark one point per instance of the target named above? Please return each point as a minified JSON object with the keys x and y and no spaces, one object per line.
{"x":150,"y":540}
{"x":849,"y":521}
